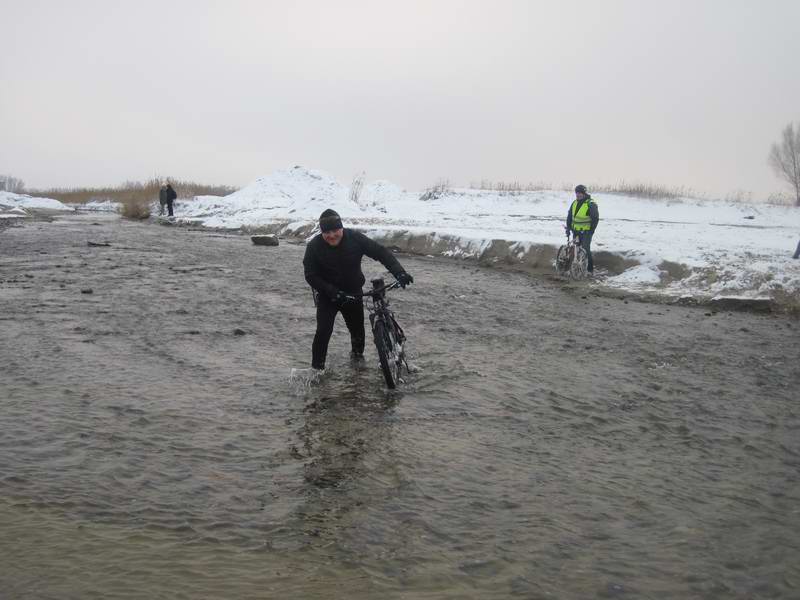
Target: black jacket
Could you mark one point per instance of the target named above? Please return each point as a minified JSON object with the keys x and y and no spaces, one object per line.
{"x":329,"y":269}
{"x":167,"y":194}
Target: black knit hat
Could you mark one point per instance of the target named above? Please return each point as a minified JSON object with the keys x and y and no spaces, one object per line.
{"x":329,"y":220}
{"x":581,"y":189}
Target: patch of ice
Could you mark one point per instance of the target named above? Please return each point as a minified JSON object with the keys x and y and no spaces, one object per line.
{"x":641,"y":274}
{"x":101,"y":206}
{"x":9,"y":200}
{"x":14,"y":213}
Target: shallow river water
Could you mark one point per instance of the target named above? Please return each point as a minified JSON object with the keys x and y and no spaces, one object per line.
{"x":553,"y":443}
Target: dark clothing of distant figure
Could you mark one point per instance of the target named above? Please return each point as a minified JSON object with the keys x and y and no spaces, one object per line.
{"x":333,"y":269}
{"x":166,"y":196}
{"x":585,"y":236}
{"x":797,"y":252}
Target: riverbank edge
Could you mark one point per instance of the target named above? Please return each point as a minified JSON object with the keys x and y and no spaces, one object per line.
{"x":532,"y":259}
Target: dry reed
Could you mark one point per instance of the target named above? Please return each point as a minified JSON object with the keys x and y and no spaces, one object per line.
{"x":134,"y":196}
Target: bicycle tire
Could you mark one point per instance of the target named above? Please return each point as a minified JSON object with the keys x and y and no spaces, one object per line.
{"x":391,"y":363}
{"x":562,"y":260}
{"x":580,"y":264}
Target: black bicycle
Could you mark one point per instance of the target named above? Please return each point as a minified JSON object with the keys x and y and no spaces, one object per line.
{"x":387,"y":333}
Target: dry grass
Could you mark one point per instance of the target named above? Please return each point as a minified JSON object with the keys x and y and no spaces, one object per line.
{"x":659,"y":192}
{"x":641,"y":190}
{"x":644,"y":190}
{"x":512,"y":187}
{"x":135,"y":197}
{"x":637,"y":189}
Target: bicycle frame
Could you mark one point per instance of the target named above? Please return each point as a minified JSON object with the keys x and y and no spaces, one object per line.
{"x":379,"y":310}
{"x":381,"y":319}
{"x":573,"y":243}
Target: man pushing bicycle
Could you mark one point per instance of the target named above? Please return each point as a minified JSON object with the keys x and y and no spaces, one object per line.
{"x":332,"y":266}
{"x":582,"y":220}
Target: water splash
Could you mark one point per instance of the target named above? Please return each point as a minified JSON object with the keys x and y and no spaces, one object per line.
{"x":306,"y":377}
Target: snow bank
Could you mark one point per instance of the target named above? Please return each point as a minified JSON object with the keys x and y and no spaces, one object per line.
{"x":10,"y":201}
{"x":292,"y":194}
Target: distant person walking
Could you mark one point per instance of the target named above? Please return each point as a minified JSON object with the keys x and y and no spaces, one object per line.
{"x":166,"y":196}
{"x":582,"y":220}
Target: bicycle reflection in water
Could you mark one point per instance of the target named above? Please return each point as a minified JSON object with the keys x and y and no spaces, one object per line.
{"x":345,"y":442}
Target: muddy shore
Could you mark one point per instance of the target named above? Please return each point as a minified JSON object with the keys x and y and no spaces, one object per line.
{"x":538,"y":261}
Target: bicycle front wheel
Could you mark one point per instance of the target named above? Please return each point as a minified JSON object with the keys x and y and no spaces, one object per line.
{"x":388,"y":352}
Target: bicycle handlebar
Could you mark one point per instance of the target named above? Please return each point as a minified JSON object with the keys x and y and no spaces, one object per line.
{"x":373,"y":293}
{"x":367,"y":294}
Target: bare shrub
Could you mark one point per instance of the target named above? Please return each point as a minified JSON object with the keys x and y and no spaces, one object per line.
{"x":437,"y":190}
{"x":740,"y":197}
{"x":780,"y":199}
{"x":135,"y":209}
{"x":356,"y":187}
{"x":784,"y":158}
{"x":11,"y":184}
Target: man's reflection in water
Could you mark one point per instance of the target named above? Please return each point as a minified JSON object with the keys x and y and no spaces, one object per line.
{"x":346,"y":443}
{"x":338,"y":434}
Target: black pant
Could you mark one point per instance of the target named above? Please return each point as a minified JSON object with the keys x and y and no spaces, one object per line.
{"x":353,"y":314}
{"x":797,"y":252}
{"x":586,"y":244}
{"x":168,"y":204}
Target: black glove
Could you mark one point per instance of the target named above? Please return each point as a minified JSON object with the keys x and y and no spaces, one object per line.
{"x":404,"y":279}
{"x":342,"y":299}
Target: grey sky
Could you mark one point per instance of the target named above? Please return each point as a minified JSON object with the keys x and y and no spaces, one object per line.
{"x":679,"y":93}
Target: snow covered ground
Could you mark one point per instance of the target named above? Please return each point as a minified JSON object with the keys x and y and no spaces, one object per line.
{"x":19,"y":205}
{"x":679,"y":247}
{"x":14,"y":206}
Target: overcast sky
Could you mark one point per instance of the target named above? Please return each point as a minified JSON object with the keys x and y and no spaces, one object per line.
{"x":678,"y":93}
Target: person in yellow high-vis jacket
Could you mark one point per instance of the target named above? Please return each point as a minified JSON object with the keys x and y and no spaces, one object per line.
{"x":582,"y":219}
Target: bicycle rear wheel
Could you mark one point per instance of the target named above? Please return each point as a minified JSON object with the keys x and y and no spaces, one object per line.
{"x":562,"y":260}
{"x":388,"y":352}
{"x":580,"y":264}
